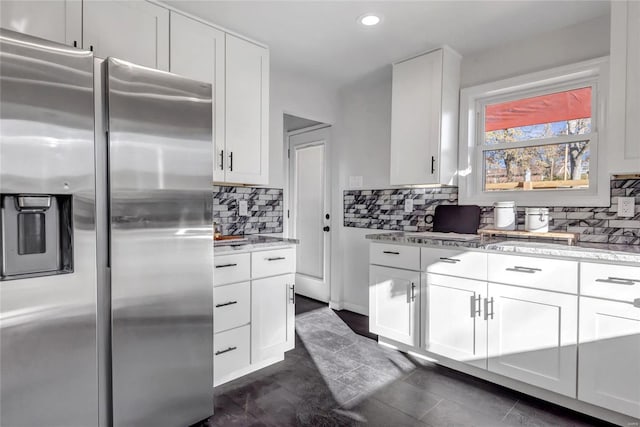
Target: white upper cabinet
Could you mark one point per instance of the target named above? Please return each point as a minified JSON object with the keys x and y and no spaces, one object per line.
{"x":56,"y":20}
{"x":135,"y":31}
{"x":247,"y":112}
{"x":424,"y":119}
{"x":197,"y":52}
{"x":624,"y":99}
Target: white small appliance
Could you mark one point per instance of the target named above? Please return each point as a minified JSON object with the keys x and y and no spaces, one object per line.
{"x":504,"y":215}
{"x":536,"y":220}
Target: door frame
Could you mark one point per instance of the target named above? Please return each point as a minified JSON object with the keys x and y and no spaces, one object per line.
{"x":290,"y":197}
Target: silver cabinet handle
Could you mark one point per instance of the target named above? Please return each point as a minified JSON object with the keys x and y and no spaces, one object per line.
{"x":391,"y":252}
{"x":226,"y":265}
{"x":636,"y":302}
{"x":224,"y":304}
{"x":619,"y":281}
{"x":488,"y":314}
{"x":475,"y":301}
{"x":413,"y":291}
{"x":293,"y":293}
{"x":277,"y":258}
{"x":520,"y":269}
{"x":450,"y":260}
{"x":225,"y":351}
{"x":222,"y":160}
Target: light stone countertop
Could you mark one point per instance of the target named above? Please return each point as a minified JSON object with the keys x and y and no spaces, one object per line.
{"x":251,"y":243}
{"x":581,"y":251}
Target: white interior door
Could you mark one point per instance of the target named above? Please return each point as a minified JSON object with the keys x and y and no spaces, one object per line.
{"x":309,"y":211}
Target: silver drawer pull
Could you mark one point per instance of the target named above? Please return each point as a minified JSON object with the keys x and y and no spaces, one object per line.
{"x":391,"y":252}
{"x":488,"y":314}
{"x":277,"y":258}
{"x":636,"y":302}
{"x":618,"y":281}
{"x":224,"y":304}
{"x":520,"y":269}
{"x":226,"y":265}
{"x":475,"y":301}
{"x":450,"y":260}
{"x":225,"y":351}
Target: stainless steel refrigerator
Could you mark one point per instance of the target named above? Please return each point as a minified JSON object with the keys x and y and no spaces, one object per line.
{"x":106,"y":303}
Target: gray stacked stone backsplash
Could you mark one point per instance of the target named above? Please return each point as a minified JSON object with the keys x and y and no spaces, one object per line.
{"x":264,"y":206}
{"x":384,"y":210}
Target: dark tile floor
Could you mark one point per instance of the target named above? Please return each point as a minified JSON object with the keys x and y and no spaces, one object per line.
{"x":335,"y":377}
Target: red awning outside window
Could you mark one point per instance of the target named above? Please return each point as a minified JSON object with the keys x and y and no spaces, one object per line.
{"x":555,"y":107}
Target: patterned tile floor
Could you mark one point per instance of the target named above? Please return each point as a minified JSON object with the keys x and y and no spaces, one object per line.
{"x":335,"y":377}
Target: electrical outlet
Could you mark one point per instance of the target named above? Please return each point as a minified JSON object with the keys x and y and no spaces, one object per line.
{"x":408,"y":205}
{"x":626,"y":207}
{"x":243,"y":208}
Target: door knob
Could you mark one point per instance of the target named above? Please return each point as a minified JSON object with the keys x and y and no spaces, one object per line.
{"x":326,"y":228}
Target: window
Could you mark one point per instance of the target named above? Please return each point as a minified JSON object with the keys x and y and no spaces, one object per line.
{"x":534,"y":139}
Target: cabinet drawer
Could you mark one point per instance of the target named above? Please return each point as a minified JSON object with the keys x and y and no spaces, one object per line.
{"x":398,"y":256}
{"x":273,"y":263}
{"x":618,"y":282}
{"x":232,"y":306}
{"x":230,"y":351}
{"x":454,"y":262}
{"x":231,"y":269}
{"x":541,"y":273}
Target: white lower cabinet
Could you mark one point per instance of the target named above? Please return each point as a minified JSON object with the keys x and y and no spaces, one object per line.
{"x":254,"y":311}
{"x":393,"y":308}
{"x":455,"y":327}
{"x":532,"y":336}
{"x":271,"y":316}
{"x":609,"y":370}
{"x":569,"y":327}
{"x":230,"y":353}
{"x":232,"y":306}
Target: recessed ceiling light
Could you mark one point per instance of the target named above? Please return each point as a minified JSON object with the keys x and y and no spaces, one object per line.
{"x":369,"y":20}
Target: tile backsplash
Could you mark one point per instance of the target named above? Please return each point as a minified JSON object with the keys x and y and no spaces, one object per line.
{"x":264,"y":207}
{"x":384,"y":210}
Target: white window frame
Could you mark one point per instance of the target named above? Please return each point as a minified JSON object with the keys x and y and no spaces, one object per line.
{"x":471,"y":174}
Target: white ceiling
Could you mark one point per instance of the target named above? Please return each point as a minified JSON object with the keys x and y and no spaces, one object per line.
{"x":322,"y":38}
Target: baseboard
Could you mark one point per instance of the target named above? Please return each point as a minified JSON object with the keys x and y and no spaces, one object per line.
{"x":335,"y":305}
{"x":355,"y":308}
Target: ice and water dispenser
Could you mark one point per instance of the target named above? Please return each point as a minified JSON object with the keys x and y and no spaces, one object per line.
{"x":37,"y":235}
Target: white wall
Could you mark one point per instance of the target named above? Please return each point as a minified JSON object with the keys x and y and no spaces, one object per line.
{"x":362,"y":134}
{"x":301,"y":96}
{"x":361,"y":148}
{"x":576,"y":43}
